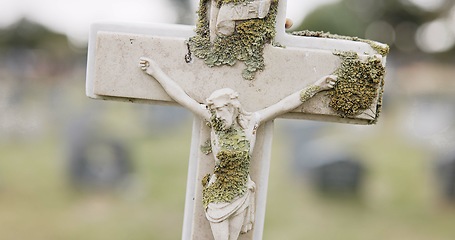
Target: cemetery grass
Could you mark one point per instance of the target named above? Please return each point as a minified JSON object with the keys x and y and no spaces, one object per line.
{"x":37,"y":202}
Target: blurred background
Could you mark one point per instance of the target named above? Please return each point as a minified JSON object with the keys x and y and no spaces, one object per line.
{"x":75,"y":168}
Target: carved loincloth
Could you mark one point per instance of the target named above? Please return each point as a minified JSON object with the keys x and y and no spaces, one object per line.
{"x":218,"y":212}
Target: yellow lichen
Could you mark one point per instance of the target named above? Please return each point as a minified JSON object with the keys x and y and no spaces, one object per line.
{"x":358,"y":86}
{"x":221,"y":2}
{"x":206,"y":148}
{"x":382,"y":49}
{"x":359,"y":83}
{"x":309,"y":92}
{"x":232,"y":169}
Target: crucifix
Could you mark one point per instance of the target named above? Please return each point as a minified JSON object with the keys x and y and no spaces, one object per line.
{"x":236,"y":70}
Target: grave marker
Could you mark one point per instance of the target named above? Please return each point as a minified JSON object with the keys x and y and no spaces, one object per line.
{"x":274,"y":74}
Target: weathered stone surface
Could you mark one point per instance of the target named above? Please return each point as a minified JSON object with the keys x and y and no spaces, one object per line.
{"x":291,"y":63}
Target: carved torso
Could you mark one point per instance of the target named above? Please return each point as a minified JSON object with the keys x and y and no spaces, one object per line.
{"x":232,"y":150}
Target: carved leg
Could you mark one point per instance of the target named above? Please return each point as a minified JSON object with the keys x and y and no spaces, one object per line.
{"x":228,"y":229}
{"x":220,"y":230}
{"x":235,"y":225}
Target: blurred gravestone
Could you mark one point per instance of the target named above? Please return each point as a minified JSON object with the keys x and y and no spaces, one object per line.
{"x":330,"y":169}
{"x":446,"y":176}
{"x":100,"y":164}
{"x":95,"y":161}
{"x":338,"y":175}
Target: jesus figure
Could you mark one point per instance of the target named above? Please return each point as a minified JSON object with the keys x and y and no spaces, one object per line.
{"x":229,"y":193}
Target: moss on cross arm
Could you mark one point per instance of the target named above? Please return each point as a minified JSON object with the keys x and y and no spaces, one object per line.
{"x":382,"y":49}
{"x":359,"y":85}
{"x":246,"y":44}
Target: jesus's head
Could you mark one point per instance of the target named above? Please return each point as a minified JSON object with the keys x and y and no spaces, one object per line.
{"x":225,"y":105}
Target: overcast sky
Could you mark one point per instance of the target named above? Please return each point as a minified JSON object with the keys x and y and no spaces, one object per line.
{"x":73,"y":17}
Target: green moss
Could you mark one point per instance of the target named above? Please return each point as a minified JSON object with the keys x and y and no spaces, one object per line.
{"x":221,"y":2}
{"x":206,"y":148}
{"x":232,"y":170}
{"x":216,"y":123}
{"x":246,"y":44}
{"x":382,"y":49}
{"x":358,"y":85}
{"x":309,"y":92}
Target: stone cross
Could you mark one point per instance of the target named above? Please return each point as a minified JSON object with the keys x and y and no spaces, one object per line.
{"x":238,"y":54}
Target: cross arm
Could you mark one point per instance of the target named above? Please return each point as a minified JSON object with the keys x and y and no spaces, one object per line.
{"x":113,"y":72}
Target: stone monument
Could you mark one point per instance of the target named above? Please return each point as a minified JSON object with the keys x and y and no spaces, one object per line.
{"x":237,"y":71}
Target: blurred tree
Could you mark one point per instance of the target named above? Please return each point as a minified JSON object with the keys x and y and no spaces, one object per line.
{"x":30,"y":51}
{"x":25,"y":34}
{"x":399,"y":23}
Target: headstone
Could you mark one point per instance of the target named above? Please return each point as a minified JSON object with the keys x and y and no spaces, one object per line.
{"x":329,"y":168}
{"x":237,"y":72}
{"x":339,"y":175}
{"x":94,"y":161}
{"x":445,"y":172}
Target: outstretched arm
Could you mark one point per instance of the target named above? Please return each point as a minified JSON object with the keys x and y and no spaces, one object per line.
{"x":172,"y":88}
{"x":296,"y":99}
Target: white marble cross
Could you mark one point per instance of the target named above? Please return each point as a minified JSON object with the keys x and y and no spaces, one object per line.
{"x":114,"y":73}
